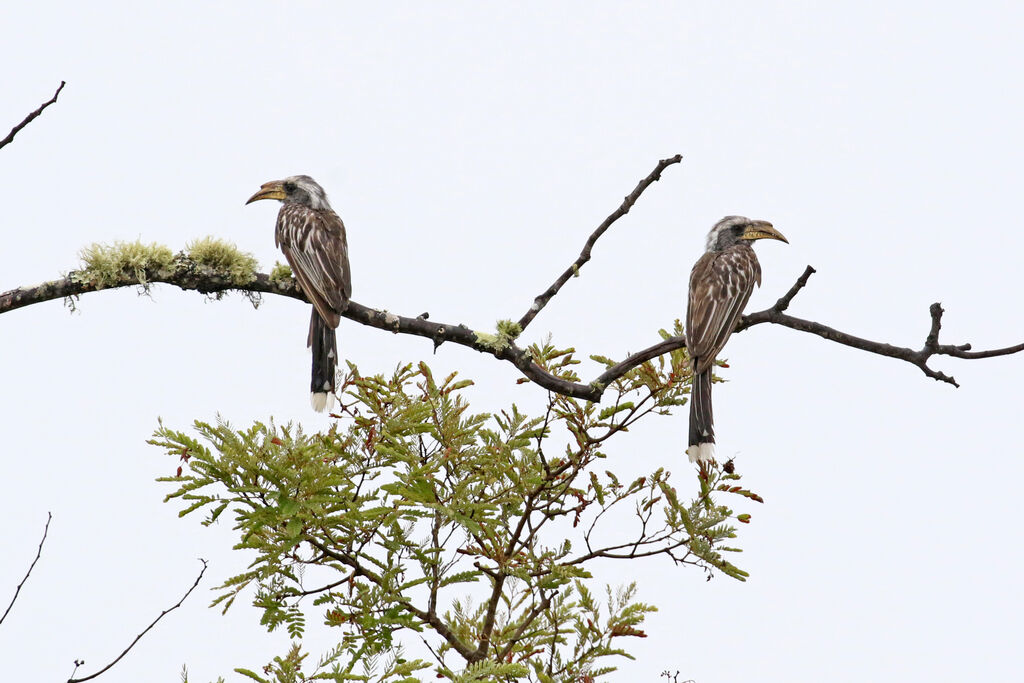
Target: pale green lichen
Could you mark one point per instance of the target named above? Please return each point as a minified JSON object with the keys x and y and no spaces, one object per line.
{"x":281,"y":272}
{"x":488,"y":341}
{"x":510,"y":330}
{"x":224,"y":257}
{"x":506,"y":335}
{"x":106,"y":265}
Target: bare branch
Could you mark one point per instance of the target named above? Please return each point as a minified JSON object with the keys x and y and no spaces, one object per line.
{"x":783,"y":303}
{"x":321,"y":589}
{"x":544,"y":297}
{"x":916,"y":357}
{"x":31,"y":117}
{"x":144,"y":632}
{"x":39,"y":551}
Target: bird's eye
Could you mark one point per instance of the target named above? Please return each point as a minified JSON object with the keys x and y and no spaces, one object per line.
{"x":289,"y":187}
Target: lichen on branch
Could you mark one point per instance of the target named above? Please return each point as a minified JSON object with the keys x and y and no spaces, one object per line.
{"x":112,"y":265}
{"x":224,"y":257}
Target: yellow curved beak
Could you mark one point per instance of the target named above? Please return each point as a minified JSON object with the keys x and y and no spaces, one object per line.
{"x":271,"y":190}
{"x":759,"y":230}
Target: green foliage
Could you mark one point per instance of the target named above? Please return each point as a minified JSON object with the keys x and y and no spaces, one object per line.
{"x":107,"y":265}
{"x":413,"y":515}
{"x":222,"y":256}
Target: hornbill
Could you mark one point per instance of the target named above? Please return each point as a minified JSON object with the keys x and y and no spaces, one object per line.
{"x":720,"y":285}
{"x":313,"y":240}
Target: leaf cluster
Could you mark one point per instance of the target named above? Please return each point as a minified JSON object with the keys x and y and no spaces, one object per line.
{"x":473,"y":532}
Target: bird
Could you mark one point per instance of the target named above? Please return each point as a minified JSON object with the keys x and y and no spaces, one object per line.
{"x":720,"y":286}
{"x":312,"y":237}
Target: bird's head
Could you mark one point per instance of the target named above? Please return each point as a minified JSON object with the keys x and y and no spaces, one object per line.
{"x":296,"y":189}
{"x":735,"y":229}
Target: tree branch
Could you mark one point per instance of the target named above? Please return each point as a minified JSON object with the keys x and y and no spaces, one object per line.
{"x":191,"y":276}
{"x":542,"y":299}
{"x":917,"y":357}
{"x":499,"y":576}
{"x":544,"y":603}
{"x":321,"y":589}
{"x":144,"y":632}
{"x":426,"y":617}
{"x":28,"y":119}
{"x":39,"y":552}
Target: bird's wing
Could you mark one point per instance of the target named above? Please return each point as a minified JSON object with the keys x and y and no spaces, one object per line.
{"x":316,"y":248}
{"x":720,"y":286}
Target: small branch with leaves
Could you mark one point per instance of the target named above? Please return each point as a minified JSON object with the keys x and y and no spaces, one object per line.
{"x":446,"y":481}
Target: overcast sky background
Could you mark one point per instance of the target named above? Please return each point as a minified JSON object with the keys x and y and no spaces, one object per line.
{"x":470,"y":149}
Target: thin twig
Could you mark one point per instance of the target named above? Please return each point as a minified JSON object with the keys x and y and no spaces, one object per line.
{"x":144,"y":632}
{"x":28,"y":119}
{"x":39,"y":551}
{"x":321,"y":589}
{"x":542,"y":299}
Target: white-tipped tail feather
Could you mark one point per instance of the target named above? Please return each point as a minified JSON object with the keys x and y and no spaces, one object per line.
{"x":702,"y":431}
{"x":321,"y":401}
{"x":704,"y":452}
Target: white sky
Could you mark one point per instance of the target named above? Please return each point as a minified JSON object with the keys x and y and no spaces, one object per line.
{"x":470,"y":149}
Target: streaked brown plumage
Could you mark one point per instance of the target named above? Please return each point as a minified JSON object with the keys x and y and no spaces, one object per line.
{"x":720,"y":286}
{"x":312,"y":237}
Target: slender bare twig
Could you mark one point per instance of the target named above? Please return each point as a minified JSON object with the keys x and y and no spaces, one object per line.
{"x":28,"y":119}
{"x":144,"y":632}
{"x":321,"y":589}
{"x":39,"y":551}
{"x":542,"y":299}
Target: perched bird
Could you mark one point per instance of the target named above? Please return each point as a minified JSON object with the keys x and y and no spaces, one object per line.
{"x":313,"y":240}
{"x":720,"y":285}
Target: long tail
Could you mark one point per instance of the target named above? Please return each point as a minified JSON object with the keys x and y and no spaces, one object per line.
{"x":702,"y":422}
{"x":324,"y":343}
